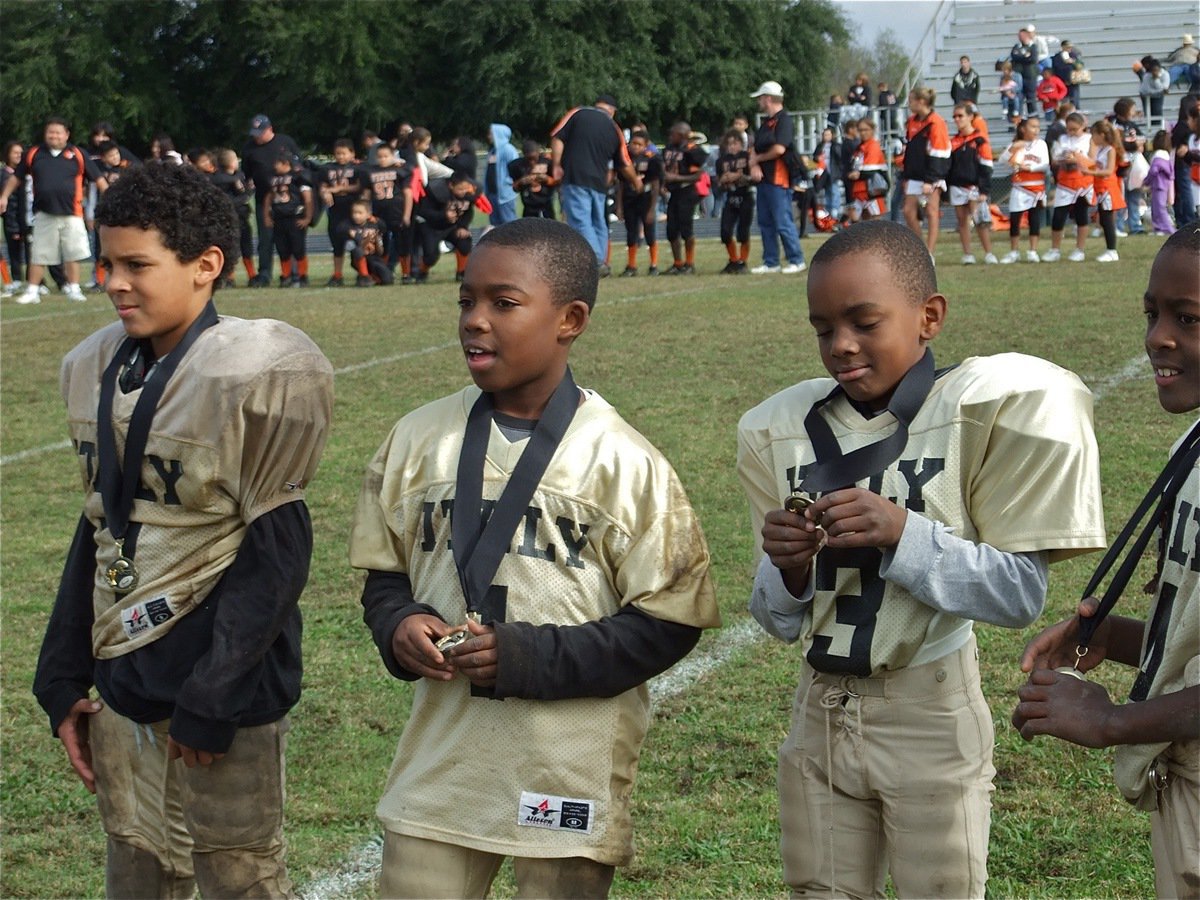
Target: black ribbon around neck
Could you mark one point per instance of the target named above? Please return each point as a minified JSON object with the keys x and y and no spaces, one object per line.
{"x":478,"y":546}
{"x":119,"y":483}
{"x":1164,"y":490}
{"x":835,"y":469}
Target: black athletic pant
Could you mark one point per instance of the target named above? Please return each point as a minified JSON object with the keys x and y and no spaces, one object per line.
{"x":680,"y":208}
{"x":429,"y":238}
{"x":533,"y":211}
{"x":266,"y":237}
{"x":14,"y":241}
{"x":737,"y":215}
{"x":338,"y":227}
{"x":399,"y":240}
{"x":1080,"y":208}
{"x":1035,"y":221}
{"x":640,"y":219}
{"x":290,"y":238}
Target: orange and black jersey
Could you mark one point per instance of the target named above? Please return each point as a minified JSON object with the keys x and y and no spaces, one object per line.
{"x":868,"y":160}
{"x":333,"y":175}
{"x":683,"y":159}
{"x":592,"y":142}
{"x":927,"y":149}
{"x":738,"y":163}
{"x":970,"y":161}
{"x":58,"y":180}
{"x":649,"y":167}
{"x":112,"y":174}
{"x":287,"y":195}
{"x":536,"y":194}
{"x":440,"y":210}
{"x":388,"y":185}
{"x":777,"y":129}
{"x":370,"y":238}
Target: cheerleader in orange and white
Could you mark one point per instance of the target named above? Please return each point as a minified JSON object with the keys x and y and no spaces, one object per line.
{"x":970,"y":181}
{"x":1073,"y":189}
{"x":1107,"y":155}
{"x":868,"y":176}
{"x":1029,"y":158}
{"x":926,"y":162}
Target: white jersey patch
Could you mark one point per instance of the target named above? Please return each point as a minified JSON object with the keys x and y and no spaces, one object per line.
{"x":556,"y":813}
{"x":145,"y":615}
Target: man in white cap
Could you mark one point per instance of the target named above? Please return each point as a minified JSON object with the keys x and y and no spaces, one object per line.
{"x":770,"y":172}
{"x":1183,"y":62}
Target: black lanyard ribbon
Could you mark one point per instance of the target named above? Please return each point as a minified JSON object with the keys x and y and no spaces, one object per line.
{"x":478,"y":546}
{"x":835,"y":469}
{"x":118,"y":484}
{"x":1164,"y":490}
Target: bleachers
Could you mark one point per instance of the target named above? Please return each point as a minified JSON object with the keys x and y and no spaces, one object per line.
{"x":1109,"y":35}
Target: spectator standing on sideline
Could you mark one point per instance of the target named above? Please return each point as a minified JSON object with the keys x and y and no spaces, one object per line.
{"x":258,"y":162}
{"x":888,"y":103}
{"x":965,"y":87}
{"x":582,"y":145}
{"x":58,"y":169}
{"x":1024,"y":58}
{"x":497,"y":183}
{"x":1183,"y":147}
{"x":1129,"y":219}
{"x":829,"y":156}
{"x":769,"y":170}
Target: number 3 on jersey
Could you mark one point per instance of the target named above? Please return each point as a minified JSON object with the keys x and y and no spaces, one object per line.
{"x":845,"y":646}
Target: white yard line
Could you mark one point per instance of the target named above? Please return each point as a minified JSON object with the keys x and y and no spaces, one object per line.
{"x":1137,"y":368}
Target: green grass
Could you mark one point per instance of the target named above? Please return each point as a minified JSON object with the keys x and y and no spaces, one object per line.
{"x":682,"y":358}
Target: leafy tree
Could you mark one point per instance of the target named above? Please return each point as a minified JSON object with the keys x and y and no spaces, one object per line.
{"x":885,"y":60}
{"x":199,"y":69}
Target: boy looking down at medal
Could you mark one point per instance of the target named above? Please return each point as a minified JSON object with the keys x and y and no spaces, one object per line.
{"x":934,"y":498}
{"x":1157,"y":734}
{"x":178,"y":599}
{"x":526,"y":517}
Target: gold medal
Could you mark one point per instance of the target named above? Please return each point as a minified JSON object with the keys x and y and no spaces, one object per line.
{"x":122,"y":574}
{"x":797,"y":502}
{"x":1073,"y":671}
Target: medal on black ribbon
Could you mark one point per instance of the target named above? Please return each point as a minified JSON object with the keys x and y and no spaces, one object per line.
{"x":122,"y":574}
{"x":116,"y":482}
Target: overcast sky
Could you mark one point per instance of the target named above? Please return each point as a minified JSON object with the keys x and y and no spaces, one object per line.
{"x":908,"y":19}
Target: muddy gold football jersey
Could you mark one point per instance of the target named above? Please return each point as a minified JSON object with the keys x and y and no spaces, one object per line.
{"x":1002,"y":452}
{"x":1170,"y":648}
{"x":238,"y":432}
{"x":609,"y":524}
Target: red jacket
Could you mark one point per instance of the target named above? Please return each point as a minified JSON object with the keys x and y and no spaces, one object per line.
{"x":1051,"y":90}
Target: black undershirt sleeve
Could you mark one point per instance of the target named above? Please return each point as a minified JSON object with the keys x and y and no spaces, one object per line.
{"x":595,"y":659}
{"x":387,"y":599}
{"x":64,"y":667}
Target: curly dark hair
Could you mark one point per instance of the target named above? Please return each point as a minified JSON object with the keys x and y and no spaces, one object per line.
{"x":563,"y":259}
{"x":186,"y":209}
{"x":900,"y":248}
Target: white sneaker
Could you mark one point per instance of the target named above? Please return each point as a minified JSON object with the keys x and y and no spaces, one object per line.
{"x":968,"y":259}
{"x":793,"y":268}
{"x":989,"y":259}
{"x":11,"y":288}
{"x":43,"y":290}
{"x":1121,"y":233}
{"x":1108,"y":256}
{"x":1051,"y":256}
{"x":1096,"y":232}
{"x":74,"y":293}
{"x":30,"y":295}
{"x":765,"y":270}
{"x":1009,"y":258}
{"x":1077,"y":256}
{"x":1032,"y":256}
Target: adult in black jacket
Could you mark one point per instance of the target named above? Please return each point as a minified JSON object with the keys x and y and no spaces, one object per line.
{"x":1024,"y":57}
{"x":258,"y":162}
{"x":965,"y":86}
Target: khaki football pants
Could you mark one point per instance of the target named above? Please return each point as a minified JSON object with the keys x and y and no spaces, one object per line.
{"x":418,"y":868}
{"x":909,"y":789}
{"x":1175,"y":839}
{"x":221,"y":824}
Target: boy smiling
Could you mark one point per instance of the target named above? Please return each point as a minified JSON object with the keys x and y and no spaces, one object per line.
{"x":935,"y":498}
{"x":179,"y":597}
{"x":1157,"y":734}
{"x":556,"y":585}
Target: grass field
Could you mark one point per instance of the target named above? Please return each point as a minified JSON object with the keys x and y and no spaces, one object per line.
{"x":681,"y":358}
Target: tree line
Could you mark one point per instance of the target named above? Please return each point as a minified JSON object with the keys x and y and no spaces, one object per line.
{"x":199,"y":69}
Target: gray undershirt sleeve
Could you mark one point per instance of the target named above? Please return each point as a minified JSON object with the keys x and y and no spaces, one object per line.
{"x":946,"y":572}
